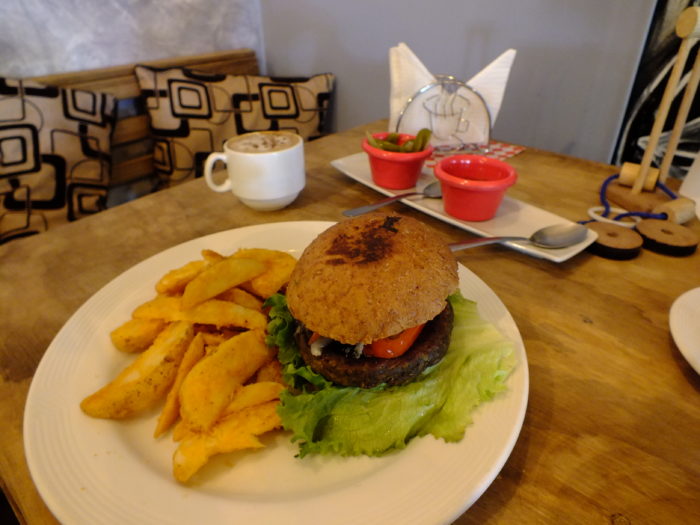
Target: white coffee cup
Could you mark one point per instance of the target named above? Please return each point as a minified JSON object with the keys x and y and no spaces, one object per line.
{"x":265,"y":168}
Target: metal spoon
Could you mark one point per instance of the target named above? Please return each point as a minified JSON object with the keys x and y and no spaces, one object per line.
{"x":555,"y":236}
{"x":432,"y":191}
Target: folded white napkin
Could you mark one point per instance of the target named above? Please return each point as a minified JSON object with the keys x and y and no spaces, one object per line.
{"x":408,"y":75}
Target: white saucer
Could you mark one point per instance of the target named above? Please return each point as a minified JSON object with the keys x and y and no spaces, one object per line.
{"x":684,"y":320}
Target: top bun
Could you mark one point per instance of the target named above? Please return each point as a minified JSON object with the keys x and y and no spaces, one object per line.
{"x":371,"y":277}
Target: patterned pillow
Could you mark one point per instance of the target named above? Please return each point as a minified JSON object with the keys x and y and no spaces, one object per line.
{"x":54,"y":155}
{"x":194,"y":113}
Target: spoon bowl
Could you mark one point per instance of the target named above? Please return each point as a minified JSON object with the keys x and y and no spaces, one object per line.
{"x":549,"y":237}
{"x":432,"y":191}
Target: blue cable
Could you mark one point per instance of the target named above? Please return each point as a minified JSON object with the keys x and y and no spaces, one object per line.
{"x":666,"y":190}
{"x":645,"y":215}
{"x":604,"y":191}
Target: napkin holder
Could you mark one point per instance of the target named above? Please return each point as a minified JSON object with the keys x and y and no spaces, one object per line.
{"x":459,"y":113}
{"x":638,"y":185}
{"x":456,"y":114}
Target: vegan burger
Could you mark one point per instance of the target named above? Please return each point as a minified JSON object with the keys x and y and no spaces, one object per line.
{"x":370,"y":295}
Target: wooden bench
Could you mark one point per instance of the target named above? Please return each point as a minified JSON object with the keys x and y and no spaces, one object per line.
{"x":132,"y":147}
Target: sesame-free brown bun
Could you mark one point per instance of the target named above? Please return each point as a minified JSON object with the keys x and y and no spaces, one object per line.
{"x":371,"y":277}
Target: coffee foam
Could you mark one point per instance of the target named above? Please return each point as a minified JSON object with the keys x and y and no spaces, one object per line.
{"x":263,"y":142}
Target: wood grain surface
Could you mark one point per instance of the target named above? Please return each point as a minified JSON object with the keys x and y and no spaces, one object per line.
{"x":612,"y":431}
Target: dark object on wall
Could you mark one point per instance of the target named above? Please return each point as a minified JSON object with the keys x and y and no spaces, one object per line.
{"x":656,"y":63}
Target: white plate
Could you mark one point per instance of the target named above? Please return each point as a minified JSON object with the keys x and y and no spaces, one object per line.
{"x":96,"y":471}
{"x":513,"y":217}
{"x":685,"y":329}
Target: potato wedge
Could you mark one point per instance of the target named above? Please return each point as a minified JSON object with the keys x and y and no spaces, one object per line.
{"x":218,"y":278}
{"x":171,"y":408}
{"x":272,"y":371}
{"x":253,"y":394}
{"x":240,"y":296}
{"x":203,"y":355}
{"x":146,"y":380}
{"x":213,"y":312}
{"x":244,"y":397}
{"x":136,"y":335}
{"x":216,"y":338}
{"x":212,"y":256}
{"x":225,"y":314}
{"x":165,"y":307}
{"x":279,"y":268}
{"x":180,"y":430}
{"x":210,"y":385}
{"x":174,"y":281}
{"x":237,"y":432}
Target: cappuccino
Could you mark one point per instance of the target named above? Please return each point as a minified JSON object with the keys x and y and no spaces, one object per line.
{"x":265,"y":169}
{"x":263,"y":142}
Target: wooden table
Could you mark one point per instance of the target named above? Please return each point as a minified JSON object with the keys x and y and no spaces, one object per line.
{"x":612,"y":431}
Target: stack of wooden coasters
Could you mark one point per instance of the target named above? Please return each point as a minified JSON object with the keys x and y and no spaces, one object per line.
{"x":661,"y":236}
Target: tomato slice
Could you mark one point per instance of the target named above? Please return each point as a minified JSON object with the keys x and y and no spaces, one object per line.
{"x":395,"y":345}
{"x":314,"y":337}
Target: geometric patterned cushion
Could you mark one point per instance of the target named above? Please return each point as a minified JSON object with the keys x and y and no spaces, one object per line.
{"x":194,"y":113}
{"x":54,"y":155}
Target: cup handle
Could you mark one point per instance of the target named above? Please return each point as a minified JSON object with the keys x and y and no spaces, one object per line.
{"x":208,"y":166}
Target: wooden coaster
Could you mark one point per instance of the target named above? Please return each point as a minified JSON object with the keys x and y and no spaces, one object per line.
{"x":615,"y":242}
{"x":667,"y":237}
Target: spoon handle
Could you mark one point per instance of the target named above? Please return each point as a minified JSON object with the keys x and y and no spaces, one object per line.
{"x":473,"y":243}
{"x":371,"y":207}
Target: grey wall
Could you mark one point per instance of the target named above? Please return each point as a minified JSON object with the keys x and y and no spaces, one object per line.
{"x":569,"y":83}
{"x":39,"y":37}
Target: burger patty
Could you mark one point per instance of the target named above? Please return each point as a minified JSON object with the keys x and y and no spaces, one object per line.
{"x":366,"y":372}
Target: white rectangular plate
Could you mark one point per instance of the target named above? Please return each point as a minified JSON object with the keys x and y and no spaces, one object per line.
{"x":513,"y":217}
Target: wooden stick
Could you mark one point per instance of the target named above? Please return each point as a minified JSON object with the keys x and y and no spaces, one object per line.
{"x":662,"y":114}
{"x":681,"y":118}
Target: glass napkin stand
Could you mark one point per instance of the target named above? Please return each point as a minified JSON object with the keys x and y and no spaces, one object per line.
{"x":455,"y":113}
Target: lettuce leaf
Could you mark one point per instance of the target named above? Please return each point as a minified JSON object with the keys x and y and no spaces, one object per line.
{"x":328,"y":419}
